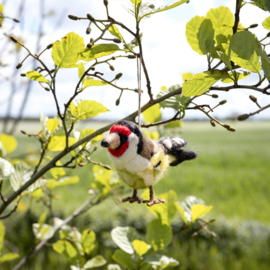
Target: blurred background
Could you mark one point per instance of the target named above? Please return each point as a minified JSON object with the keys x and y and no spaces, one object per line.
{"x":232,"y":171}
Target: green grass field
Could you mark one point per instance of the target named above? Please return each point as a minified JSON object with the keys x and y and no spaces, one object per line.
{"x":232,"y":173}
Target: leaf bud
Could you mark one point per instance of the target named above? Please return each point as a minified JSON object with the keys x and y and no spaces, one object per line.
{"x":47,"y":88}
{"x":118,"y":76}
{"x":16,"y":20}
{"x":268,"y":34}
{"x":92,"y":68}
{"x":88,"y":30}
{"x":23,"y":75}
{"x":13,"y":39}
{"x":151,"y":6}
{"x":112,"y":68}
{"x":106,"y":2}
{"x":90,"y":17}
{"x":131,"y":56}
{"x":226,"y":126}
{"x":253,"y":25}
{"x":95,"y":148}
{"x":91,"y":40}
{"x":117,"y":102}
{"x":252,"y":98}
{"x":72,"y":17}
{"x":117,"y":40}
{"x":19,"y":65}
{"x":113,"y":58}
{"x":214,"y":96}
{"x":89,"y":45}
{"x":231,"y":129}
{"x":49,"y":46}
{"x":107,"y":167}
{"x":23,"y":132}
{"x":243,"y":117}
{"x":222,"y":102}
{"x":212,"y":123}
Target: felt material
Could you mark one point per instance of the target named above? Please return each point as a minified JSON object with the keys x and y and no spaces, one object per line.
{"x":113,"y":141}
{"x":120,"y":150}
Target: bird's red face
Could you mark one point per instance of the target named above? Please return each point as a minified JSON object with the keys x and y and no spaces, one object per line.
{"x":117,"y":140}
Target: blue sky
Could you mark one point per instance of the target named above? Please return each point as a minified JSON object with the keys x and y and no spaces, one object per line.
{"x":166,"y":51}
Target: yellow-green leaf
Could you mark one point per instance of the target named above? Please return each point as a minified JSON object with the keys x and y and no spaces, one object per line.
{"x":52,"y":124}
{"x":187,"y":76}
{"x":8,"y":142}
{"x":56,"y":172}
{"x":153,"y":114}
{"x":266,"y":23}
{"x":123,"y":258}
{"x":200,"y":34}
{"x":81,"y":70}
{"x":115,"y":32}
{"x":65,"y":248}
{"x":174,"y":124}
{"x":2,"y":235}
{"x":245,"y":51}
{"x":140,"y":247}
{"x":240,"y":76}
{"x":202,"y":82}
{"x":8,"y":257}
{"x":1,"y":11}
{"x":58,"y":143}
{"x":153,"y":135}
{"x":37,"y":194}
{"x":51,"y":184}
{"x":136,"y":2}
{"x":198,"y":210}
{"x":88,"y":108}
{"x":91,"y":82}
{"x":97,"y":51}
{"x":36,"y":76}
{"x":42,"y":218}
{"x":65,"y":53}
{"x":88,"y":239}
{"x":181,"y":212}
{"x":94,"y":262}
{"x":223,"y":22}
{"x":85,"y":132}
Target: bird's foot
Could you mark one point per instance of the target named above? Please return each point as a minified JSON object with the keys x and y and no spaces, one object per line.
{"x":154,"y":201}
{"x":132,"y":199}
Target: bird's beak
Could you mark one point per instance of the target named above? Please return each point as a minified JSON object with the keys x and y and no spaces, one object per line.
{"x":112,"y":141}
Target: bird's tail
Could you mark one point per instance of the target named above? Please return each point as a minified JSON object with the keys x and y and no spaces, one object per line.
{"x":173,"y":147}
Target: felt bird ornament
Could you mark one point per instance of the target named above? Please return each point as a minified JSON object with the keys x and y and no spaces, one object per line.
{"x":141,"y":162}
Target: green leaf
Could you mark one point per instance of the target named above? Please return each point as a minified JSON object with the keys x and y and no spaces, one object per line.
{"x":87,"y":240}
{"x":163,"y":8}
{"x":65,"y":53}
{"x":136,"y":2}
{"x":140,"y":247}
{"x":265,"y":64}
{"x":58,"y":143}
{"x":42,"y":218}
{"x":202,"y":82}
{"x":226,"y":60}
{"x":153,"y":114}
{"x":167,"y":262}
{"x":2,"y":235}
{"x":239,"y":75}
{"x":123,"y":237}
{"x":91,"y":82}
{"x":9,"y":257}
{"x":158,"y":235}
{"x":223,"y":22}
{"x":66,"y":248}
{"x":81,"y":70}
{"x":266,"y":23}
{"x":70,"y":180}
{"x":181,"y":212}
{"x":245,"y":51}
{"x":36,"y":76}
{"x":88,"y":108}
{"x":200,"y":34}
{"x":52,"y":124}
{"x":165,"y":212}
{"x":263,"y":4}
{"x":95,"y":262}
{"x":198,"y":210}
{"x":123,"y":258}
{"x":115,"y":32}
{"x":97,"y":51}
{"x":8,"y":142}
